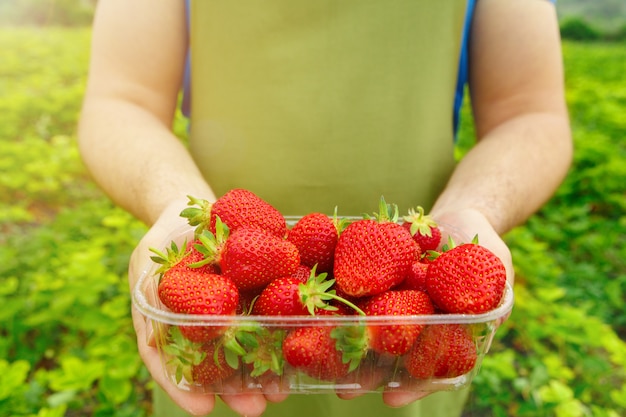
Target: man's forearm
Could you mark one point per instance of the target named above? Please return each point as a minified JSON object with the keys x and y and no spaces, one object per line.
{"x":135,"y":158}
{"x":512,"y":171}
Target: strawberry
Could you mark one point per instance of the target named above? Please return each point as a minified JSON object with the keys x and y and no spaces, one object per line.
{"x":315,"y":235}
{"x":423,"y":228}
{"x":396,"y":338}
{"x":188,"y":291}
{"x":442,"y":351}
{"x":287,"y":296}
{"x":189,"y":257}
{"x":302,"y":273}
{"x":237,"y":208}
{"x":416,"y":277}
{"x":373,"y":255}
{"x":214,"y":367}
{"x":313,"y":351}
{"x":197,"y":363}
{"x":466,"y":279}
{"x":247,"y":300}
{"x":280,"y":298}
{"x":253,"y":258}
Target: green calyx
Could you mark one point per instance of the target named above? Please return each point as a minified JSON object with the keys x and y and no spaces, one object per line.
{"x":198,"y":214}
{"x":211,"y":244}
{"x":387,"y":213}
{"x":352,"y":342}
{"x":184,"y":353}
{"x":317,"y":292}
{"x":255,"y":345}
{"x":340,"y":223}
{"x":450,"y":244}
{"x":420,"y":222}
{"x":169,"y":258}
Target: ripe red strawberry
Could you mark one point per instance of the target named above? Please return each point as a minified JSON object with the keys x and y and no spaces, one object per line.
{"x":416,"y":277}
{"x":396,"y":338}
{"x":442,"y":351}
{"x":315,"y":235}
{"x":467,"y":279}
{"x":237,"y":208}
{"x":313,"y":351}
{"x":187,"y":257}
{"x":423,"y":228}
{"x":253,"y":258}
{"x":373,"y":256}
{"x":191,"y":292}
{"x":288,"y":296}
{"x":281,"y":297}
{"x":302,"y":273}
{"x":213,"y":367}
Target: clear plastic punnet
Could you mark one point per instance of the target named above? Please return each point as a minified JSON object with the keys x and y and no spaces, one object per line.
{"x":246,"y":353}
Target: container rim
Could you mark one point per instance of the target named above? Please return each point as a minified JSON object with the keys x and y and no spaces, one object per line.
{"x":140,"y":301}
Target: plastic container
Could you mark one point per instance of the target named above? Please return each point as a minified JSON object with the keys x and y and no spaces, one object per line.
{"x":375,"y":372}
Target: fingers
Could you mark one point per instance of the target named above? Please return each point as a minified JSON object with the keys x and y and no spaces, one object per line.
{"x":248,"y":404}
{"x":398,"y":399}
{"x":368,"y":381}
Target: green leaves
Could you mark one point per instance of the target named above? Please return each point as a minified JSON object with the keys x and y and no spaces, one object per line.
{"x":12,"y":378}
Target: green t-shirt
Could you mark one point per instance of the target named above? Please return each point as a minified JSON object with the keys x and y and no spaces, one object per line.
{"x":324,"y":103}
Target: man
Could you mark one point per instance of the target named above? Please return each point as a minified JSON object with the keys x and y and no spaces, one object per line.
{"x":317,"y":104}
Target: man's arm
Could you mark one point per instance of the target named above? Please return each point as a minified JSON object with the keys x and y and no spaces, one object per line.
{"x":524,"y":145}
{"x":125,"y":137}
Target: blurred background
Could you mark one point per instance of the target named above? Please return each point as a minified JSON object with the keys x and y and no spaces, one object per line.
{"x":67,"y":347}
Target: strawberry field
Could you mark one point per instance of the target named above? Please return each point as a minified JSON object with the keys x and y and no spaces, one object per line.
{"x":67,"y":346}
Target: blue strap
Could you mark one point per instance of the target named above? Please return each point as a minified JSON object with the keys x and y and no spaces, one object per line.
{"x":463,"y":66}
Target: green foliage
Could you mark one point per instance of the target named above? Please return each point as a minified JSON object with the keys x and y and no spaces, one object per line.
{"x":46,"y":12}
{"x":67,"y":344}
{"x":39,"y":165}
{"x":577,"y":29}
{"x":604,"y":14}
{"x":65,"y":313}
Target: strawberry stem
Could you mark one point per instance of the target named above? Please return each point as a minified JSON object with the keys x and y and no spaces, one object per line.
{"x":420,"y":222}
{"x":185,"y":354}
{"x":199,"y":214}
{"x":211,"y":245}
{"x":256,"y":345}
{"x":387,"y":213}
{"x":316,"y":292}
{"x":169,"y":258}
{"x":352,"y":342}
